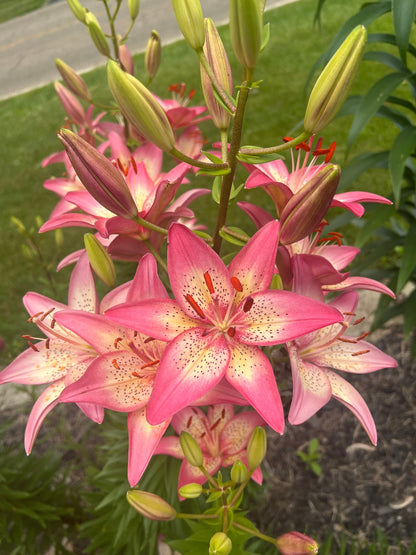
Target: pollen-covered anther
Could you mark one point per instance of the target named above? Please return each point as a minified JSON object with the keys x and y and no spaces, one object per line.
{"x":34,"y":317}
{"x":45,"y":314}
{"x":231,"y":332}
{"x":32,"y":346}
{"x":133,"y":163}
{"x":115,"y":364}
{"x":136,"y":375}
{"x":209,"y":283}
{"x":117,"y":341}
{"x":248,"y":304}
{"x":216,"y":423}
{"x":236,"y":283}
{"x":148,"y":339}
{"x":358,"y":321}
{"x":188,"y":424}
{"x":149,"y":364}
{"x":194,"y":305}
{"x":360,"y":353}
{"x":362,"y":336}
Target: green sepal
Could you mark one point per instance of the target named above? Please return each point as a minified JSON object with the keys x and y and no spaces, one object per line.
{"x":214,"y":496}
{"x":234,"y":240}
{"x":212,"y":158}
{"x":236,"y":190}
{"x":216,"y":189}
{"x":265,"y":36}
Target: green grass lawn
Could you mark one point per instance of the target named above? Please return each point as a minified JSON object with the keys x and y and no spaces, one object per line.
{"x":12,"y":8}
{"x":30,"y":122}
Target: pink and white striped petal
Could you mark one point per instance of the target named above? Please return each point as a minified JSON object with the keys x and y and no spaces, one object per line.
{"x":254,"y":264}
{"x":191,"y":365}
{"x":349,"y":396}
{"x":189,"y":260}
{"x":143,"y":441}
{"x":251,"y":373}
{"x":311,"y":389}
{"x":278,"y":316}
{"x":159,"y":318}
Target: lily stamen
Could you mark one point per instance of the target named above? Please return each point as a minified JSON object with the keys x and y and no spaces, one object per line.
{"x":236,"y":283}
{"x":209,"y":283}
{"x":195,"y":305}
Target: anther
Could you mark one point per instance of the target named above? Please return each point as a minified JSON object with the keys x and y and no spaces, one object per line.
{"x":189,"y":422}
{"x":191,"y":94}
{"x":236,"y":283}
{"x":136,"y":375}
{"x":202,"y":435}
{"x":53,"y":322}
{"x":349,"y":313}
{"x":231,"y":332}
{"x":248,"y":304}
{"x":46,"y":314}
{"x":303,"y":146}
{"x":347,"y":340}
{"x":147,"y":340}
{"x":149,"y":364}
{"x":194,"y":305}
{"x":363,"y":336}
{"x":133,"y":163}
{"x":117,"y":341}
{"x":47,"y":343}
{"x":114,"y":363}
{"x":360,"y":353}
{"x":223,"y":413}
{"x":34,"y":316}
{"x":358,"y":321}
{"x":32,"y":346}
{"x":215,"y":424}
{"x":209,"y":283}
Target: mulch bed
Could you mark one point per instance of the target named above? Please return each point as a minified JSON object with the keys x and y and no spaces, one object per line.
{"x":361,"y":488}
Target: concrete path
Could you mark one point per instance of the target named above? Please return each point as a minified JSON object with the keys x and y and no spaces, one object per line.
{"x":29,"y":44}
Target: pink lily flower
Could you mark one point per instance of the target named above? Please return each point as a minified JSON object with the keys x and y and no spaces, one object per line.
{"x":63,"y":357}
{"x":281,"y":185}
{"x":121,"y":378}
{"x":178,"y":111}
{"x":221,"y":435}
{"x":312,"y":356}
{"x":218,"y":321}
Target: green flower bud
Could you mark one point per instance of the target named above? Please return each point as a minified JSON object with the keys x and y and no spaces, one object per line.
{"x":150,"y":505}
{"x":295,"y":543}
{"x":77,"y":9}
{"x":153,"y":54}
{"x":190,"y":491}
{"x":190,"y":19}
{"x":217,"y":58}
{"x":73,"y":81}
{"x":191,"y":450}
{"x":246,"y":29}
{"x":256,"y":448}
{"x":97,"y":35}
{"x":308,"y":206}
{"x":220,"y":544}
{"x":134,"y":6}
{"x":100,"y":260}
{"x":334,"y":83}
{"x":239,"y":472}
{"x":140,"y":107}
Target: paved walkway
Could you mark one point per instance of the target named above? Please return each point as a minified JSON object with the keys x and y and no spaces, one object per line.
{"x":29,"y":44}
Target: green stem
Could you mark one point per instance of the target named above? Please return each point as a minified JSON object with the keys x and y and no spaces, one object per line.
{"x":215,"y":83}
{"x":255,"y":533}
{"x":156,"y":254}
{"x":149,"y":225}
{"x":186,"y":515}
{"x":240,"y":489}
{"x":208,"y":476}
{"x":197,"y":163}
{"x":111,"y":19}
{"x":232,"y":162}
{"x":224,"y":143}
{"x":279,"y":148}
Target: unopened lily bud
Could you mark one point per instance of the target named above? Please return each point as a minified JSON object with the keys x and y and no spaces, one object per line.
{"x":246,"y":29}
{"x":191,"y":450}
{"x":71,"y":104}
{"x":98,"y":175}
{"x":190,"y":491}
{"x":153,"y":54}
{"x":220,"y":544}
{"x":334,"y":83}
{"x":134,"y":6}
{"x":100,"y":260}
{"x":306,"y":209}
{"x":256,"y":448}
{"x":239,"y":472}
{"x":190,"y":19}
{"x":217,"y":58}
{"x":126,"y":58}
{"x":295,"y":543}
{"x":140,"y":107}
{"x":73,"y":81}
{"x":150,"y":505}
{"x":77,"y":9}
{"x":97,"y":35}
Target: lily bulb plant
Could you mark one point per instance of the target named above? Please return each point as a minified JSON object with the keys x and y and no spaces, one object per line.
{"x":193,"y":329}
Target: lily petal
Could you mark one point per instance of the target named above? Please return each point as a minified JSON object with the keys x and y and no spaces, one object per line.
{"x":237,"y":432}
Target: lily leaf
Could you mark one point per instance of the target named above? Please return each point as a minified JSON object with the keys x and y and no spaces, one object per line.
{"x":216,"y":189}
{"x":403,"y":146}
{"x":408,"y":262}
{"x":403,"y":16}
{"x":265,"y":37}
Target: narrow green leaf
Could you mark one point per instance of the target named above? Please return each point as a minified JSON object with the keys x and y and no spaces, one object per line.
{"x":265,"y":37}
{"x":372,"y":101}
{"x":231,"y":238}
{"x":361,"y":164}
{"x":207,"y":171}
{"x":403,"y":17}
{"x":236,"y":190}
{"x":408,"y":261}
{"x":216,"y":189}
{"x":410,"y":314}
{"x":379,"y":218}
{"x":403,"y":146}
{"x":212,"y":157}
{"x":387,"y":59}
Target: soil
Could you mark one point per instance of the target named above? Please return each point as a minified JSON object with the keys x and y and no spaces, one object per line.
{"x":362,"y":488}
